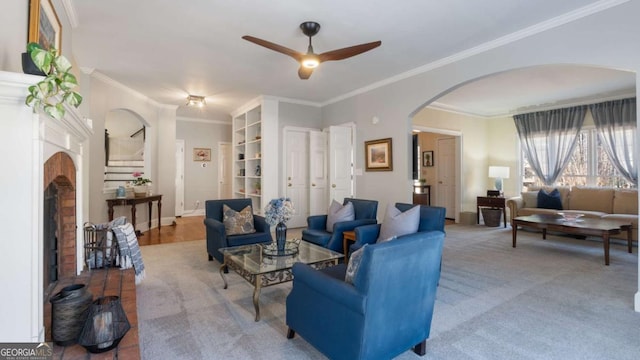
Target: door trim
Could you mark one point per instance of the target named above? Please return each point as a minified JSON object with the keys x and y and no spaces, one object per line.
{"x":459,"y":163}
{"x":179,"y":179}
{"x":220,"y":143}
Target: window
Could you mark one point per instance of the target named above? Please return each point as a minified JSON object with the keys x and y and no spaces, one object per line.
{"x":589,"y":166}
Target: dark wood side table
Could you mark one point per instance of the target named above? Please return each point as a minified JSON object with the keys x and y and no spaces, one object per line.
{"x":422,"y":194}
{"x":493,"y":202}
{"x":133,"y":202}
{"x":347,"y":236}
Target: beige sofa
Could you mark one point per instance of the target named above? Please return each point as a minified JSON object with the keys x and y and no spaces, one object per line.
{"x":616,"y":204}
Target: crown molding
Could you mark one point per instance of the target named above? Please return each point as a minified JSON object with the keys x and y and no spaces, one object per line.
{"x":501,"y":41}
{"x":107,"y":80}
{"x":204,"y":121}
{"x":297,"y":101}
{"x":572,"y":103}
{"x":72,"y":15}
{"x":460,"y":111}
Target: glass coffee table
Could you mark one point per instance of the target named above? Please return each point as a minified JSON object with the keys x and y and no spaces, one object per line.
{"x":262,"y":267}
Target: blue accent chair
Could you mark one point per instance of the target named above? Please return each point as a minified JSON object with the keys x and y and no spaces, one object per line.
{"x":385,"y":312}
{"x":316,"y":232}
{"x":217,"y":237}
{"x":431,"y":218}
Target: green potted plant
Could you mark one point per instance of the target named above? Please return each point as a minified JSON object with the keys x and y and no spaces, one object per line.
{"x":57,"y":87}
{"x":140,"y":184}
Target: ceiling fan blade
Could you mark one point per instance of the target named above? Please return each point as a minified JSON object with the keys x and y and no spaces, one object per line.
{"x":304,"y":73}
{"x":348,"y":51}
{"x":275,"y":47}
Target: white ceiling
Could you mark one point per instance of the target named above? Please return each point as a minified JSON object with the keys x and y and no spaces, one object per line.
{"x":166,"y":49}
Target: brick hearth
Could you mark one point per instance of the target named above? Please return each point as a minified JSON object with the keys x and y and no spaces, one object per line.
{"x":102,"y":282}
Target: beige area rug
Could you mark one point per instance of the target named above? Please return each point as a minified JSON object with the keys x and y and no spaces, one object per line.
{"x":546,"y":299}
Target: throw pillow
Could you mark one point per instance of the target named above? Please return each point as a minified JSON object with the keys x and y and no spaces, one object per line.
{"x":338,"y":213}
{"x":354,"y":264}
{"x":235,"y":222}
{"x":397,"y":223}
{"x":549,"y":200}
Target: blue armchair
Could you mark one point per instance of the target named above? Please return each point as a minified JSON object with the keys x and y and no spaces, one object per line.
{"x":316,"y":232}
{"x":385,"y":312}
{"x":431,"y":218}
{"x":217,"y":237}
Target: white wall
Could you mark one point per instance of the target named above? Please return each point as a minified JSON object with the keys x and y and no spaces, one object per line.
{"x":394,"y":103}
{"x":201,"y":183}
{"x":105,"y":96}
{"x":604,"y":39}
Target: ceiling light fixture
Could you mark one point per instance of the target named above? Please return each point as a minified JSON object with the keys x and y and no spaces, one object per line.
{"x":310,"y":61}
{"x":195,"y":100}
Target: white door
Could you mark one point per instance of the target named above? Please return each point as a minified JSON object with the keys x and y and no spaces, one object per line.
{"x":340,"y":163}
{"x":446,"y":174}
{"x":318,"y":173}
{"x":224,"y":171}
{"x":296,"y":149}
{"x":179,"y":180}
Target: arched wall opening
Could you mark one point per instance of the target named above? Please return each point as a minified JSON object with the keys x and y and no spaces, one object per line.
{"x":492,"y":139}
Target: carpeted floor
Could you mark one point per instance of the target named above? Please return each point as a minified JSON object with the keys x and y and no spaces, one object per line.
{"x":546,"y":299}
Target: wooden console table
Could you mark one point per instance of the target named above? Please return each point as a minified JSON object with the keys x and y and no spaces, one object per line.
{"x":133,"y":202}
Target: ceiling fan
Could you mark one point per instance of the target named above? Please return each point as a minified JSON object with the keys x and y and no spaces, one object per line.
{"x":311,"y":60}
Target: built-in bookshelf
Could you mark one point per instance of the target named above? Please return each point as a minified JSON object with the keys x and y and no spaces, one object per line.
{"x":249,"y":180}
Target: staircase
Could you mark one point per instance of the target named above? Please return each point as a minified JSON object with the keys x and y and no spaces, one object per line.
{"x":120,"y":172}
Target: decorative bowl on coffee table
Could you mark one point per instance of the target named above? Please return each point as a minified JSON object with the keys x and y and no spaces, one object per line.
{"x":570,"y":217}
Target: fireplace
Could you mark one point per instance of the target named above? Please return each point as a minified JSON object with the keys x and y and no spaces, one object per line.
{"x":42,"y":158}
{"x":60,"y":245}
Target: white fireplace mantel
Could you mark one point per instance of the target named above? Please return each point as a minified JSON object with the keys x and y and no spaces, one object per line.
{"x":27,"y":140}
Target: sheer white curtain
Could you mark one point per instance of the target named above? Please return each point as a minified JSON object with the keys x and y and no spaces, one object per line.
{"x":548,"y":139}
{"x":616,"y":126}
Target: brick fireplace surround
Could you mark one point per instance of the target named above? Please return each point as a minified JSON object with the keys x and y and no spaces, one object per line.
{"x":59,"y":171}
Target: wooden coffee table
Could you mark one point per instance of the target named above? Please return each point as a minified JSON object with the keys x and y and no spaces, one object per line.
{"x":261,"y":270}
{"x":603,"y":228}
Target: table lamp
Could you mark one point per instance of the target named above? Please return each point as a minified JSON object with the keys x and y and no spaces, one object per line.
{"x":499,"y":173}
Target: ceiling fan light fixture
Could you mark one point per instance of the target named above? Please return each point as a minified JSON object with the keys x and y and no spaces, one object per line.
{"x":195,"y":100}
{"x":310,"y":61}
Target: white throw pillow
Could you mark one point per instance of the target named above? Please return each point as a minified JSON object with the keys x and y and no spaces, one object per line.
{"x":338,"y":213}
{"x":397,"y":223}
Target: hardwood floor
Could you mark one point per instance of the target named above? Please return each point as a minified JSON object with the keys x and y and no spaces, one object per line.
{"x":184,"y":229}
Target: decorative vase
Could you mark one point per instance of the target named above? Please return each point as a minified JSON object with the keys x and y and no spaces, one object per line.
{"x":281,"y":236}
{"x":69,"y":310}
{"x":140,"y":190}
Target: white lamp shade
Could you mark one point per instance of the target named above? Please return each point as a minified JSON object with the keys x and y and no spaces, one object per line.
{"x":501,"y":172}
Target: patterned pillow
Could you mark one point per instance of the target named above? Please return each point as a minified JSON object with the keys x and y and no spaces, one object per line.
{"x":338,"y":213}
{"x":354,"y":264}
{"x":397,"y":223}
{"x":237,"y":222}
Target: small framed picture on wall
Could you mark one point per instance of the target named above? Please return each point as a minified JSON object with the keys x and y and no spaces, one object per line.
{"x":201,"y":154}
{"x":427,"y":158}
{"x":378,"y":155}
